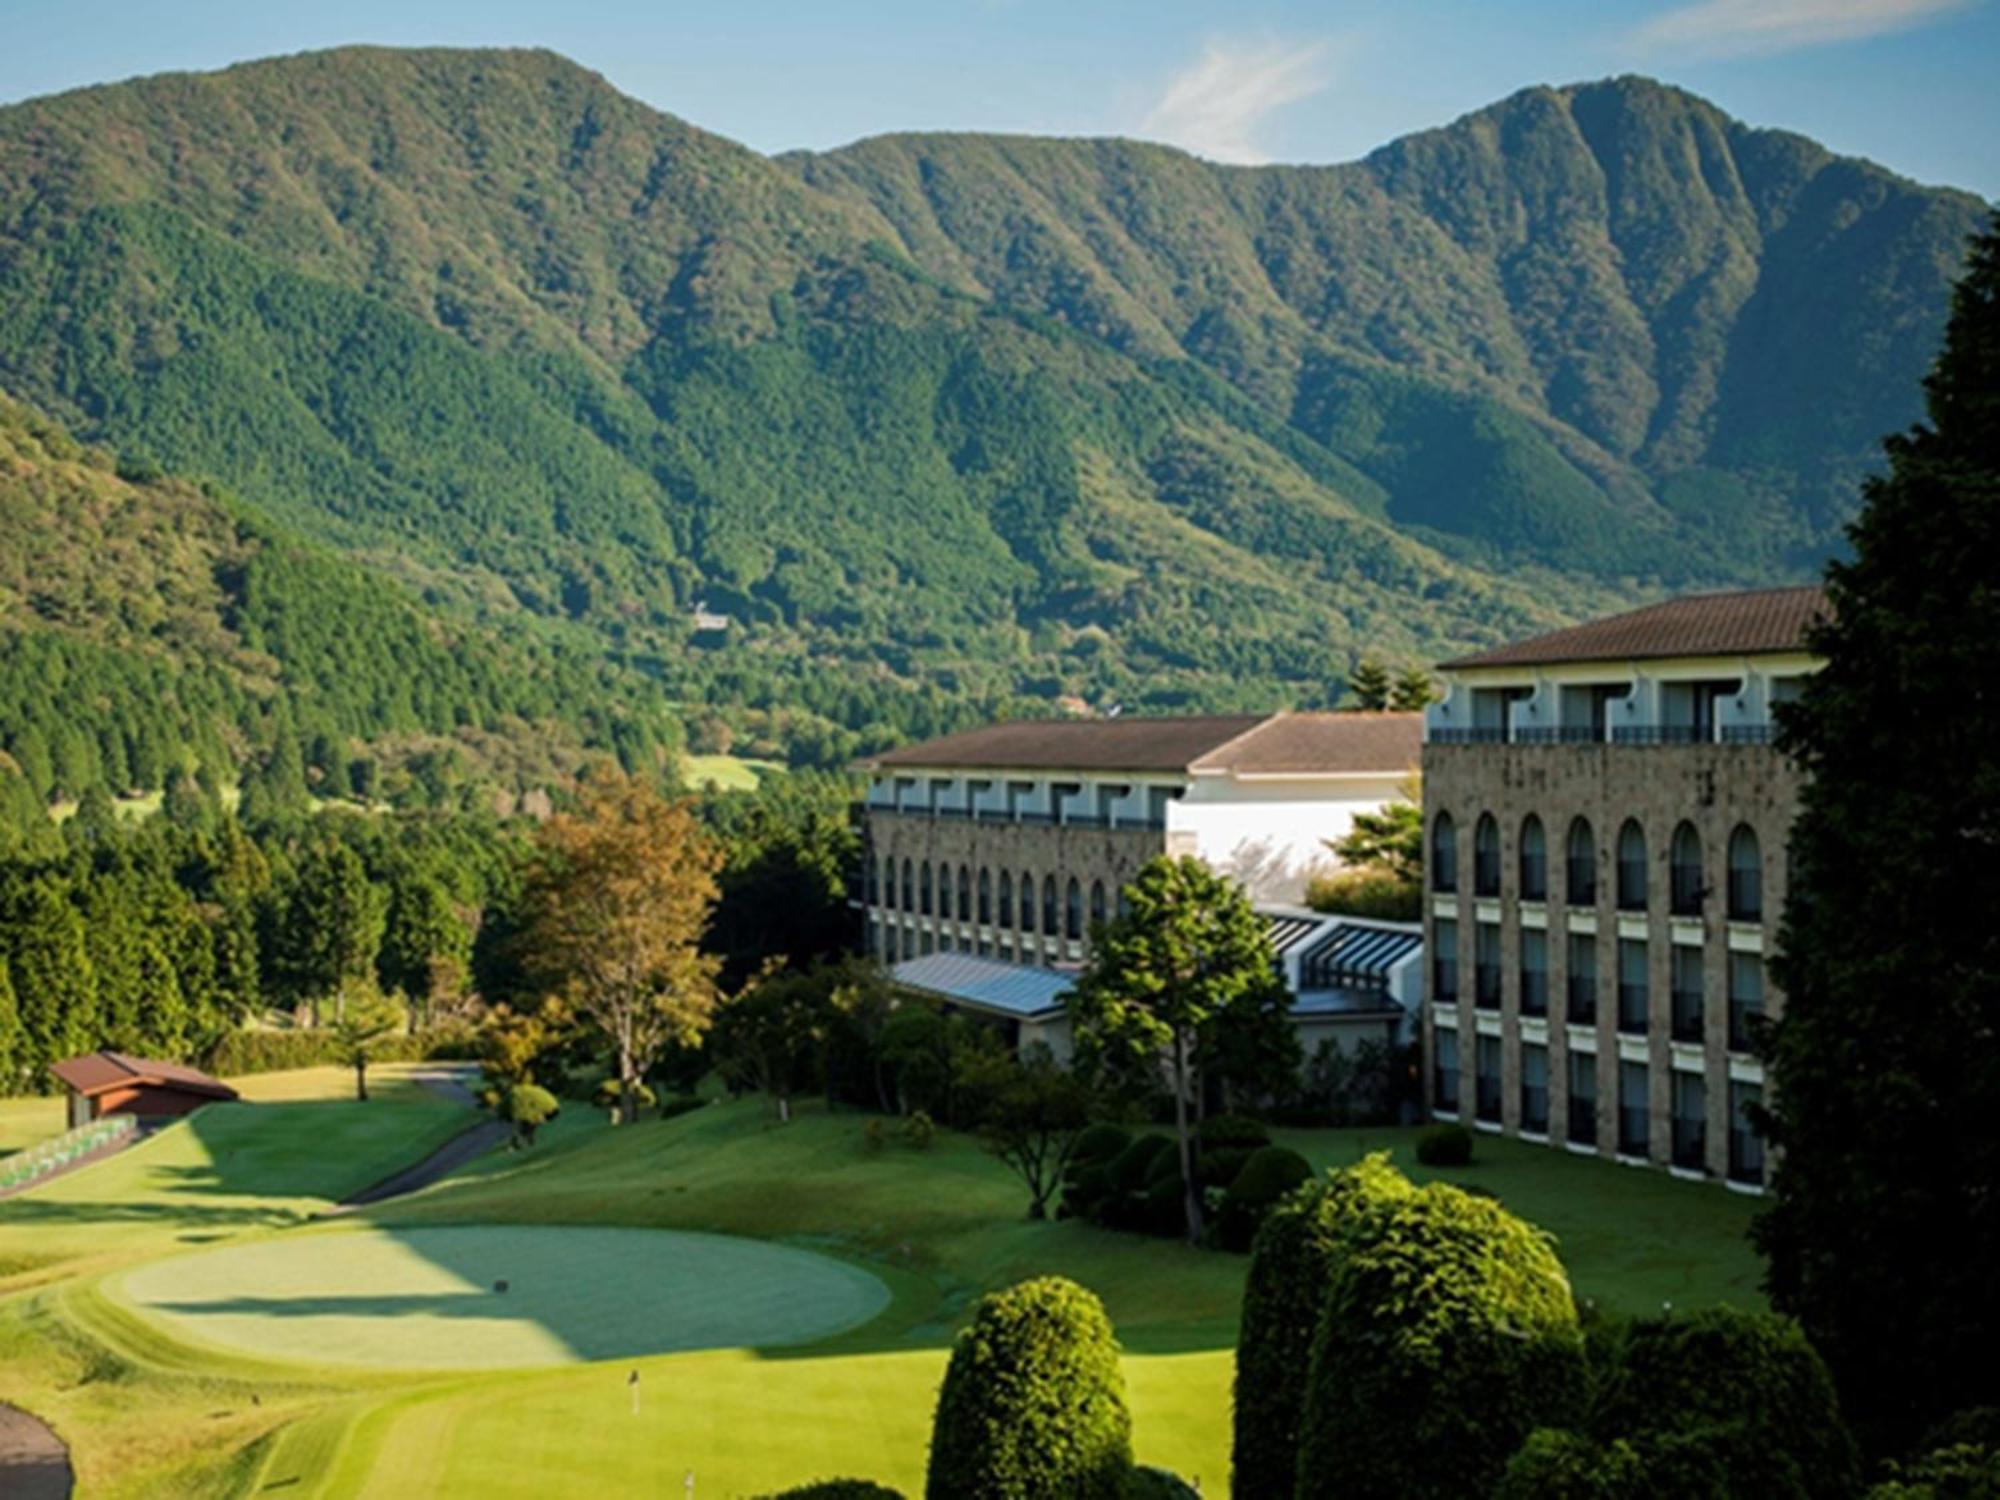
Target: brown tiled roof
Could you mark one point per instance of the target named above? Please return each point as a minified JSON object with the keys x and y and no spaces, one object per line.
{"x":1322,"y":744}
{"x":1242,"y":744}
{"x":1754,"y":622}
{"x":95,"y":1072}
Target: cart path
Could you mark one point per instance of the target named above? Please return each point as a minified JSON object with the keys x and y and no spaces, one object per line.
{"x":34,"y":1464}
{"x":446,"y":1159}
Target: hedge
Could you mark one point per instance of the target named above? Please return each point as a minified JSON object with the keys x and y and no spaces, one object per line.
{"x":1291,"y":1266}
{"x":1749,"y":1384}
{"x":839,"y":1489}
{"x":1033,"y":1401}
{"x":1445,"y":1146}
{"x":1239,"y":1131}
{"x":1266,"y":1177}
{"x":1568,"y":1466}
{"x":1447,"y":1336}
{"x":241,"y":1052}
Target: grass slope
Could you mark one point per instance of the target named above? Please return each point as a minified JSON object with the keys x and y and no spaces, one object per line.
{"x":938,"y":1227}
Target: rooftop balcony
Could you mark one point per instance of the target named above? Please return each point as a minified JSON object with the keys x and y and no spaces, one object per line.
{"x":1610,"y":734}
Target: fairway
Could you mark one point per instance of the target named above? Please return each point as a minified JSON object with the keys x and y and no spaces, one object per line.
{"x":427,"y":1297}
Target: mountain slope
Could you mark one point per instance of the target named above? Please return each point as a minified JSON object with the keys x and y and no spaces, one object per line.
{"x":147,"y":628}
{"x":942,"y":420}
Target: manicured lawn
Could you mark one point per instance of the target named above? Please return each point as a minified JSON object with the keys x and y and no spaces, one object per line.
{"x":936,"y":1227}
{"x":28,"y":1122}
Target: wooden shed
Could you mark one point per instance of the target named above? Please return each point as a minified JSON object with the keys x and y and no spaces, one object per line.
{"x":104,"y":1083}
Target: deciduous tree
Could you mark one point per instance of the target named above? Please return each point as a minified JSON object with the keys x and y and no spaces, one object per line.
{"x":1028,"y":1112}
{"x":616,"y":904}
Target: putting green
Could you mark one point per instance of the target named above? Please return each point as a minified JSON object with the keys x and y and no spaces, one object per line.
{"x":428,"y":1298}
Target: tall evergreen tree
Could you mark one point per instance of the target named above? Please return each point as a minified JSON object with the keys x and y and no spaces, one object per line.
{"x":55,"y":988}
{"x":13,"y":1044}
{"x":333,"y":922}
{"x":1369,"y":686}
{"x":1885,"y":1223}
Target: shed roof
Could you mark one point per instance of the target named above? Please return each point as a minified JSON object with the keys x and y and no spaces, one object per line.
{"x":97,"y":1072}
{"x":1237,"y":744}
{"x":1753,"y":622}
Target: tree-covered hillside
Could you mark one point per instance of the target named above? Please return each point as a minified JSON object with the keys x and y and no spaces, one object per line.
{"x":938,"y":422}
{"x":151,"y":633}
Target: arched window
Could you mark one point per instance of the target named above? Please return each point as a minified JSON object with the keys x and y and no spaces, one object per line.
{"x":965,"y":893}
{"x":1097,"y":903}
{"x":1124,"y":902}
{"x":1486,"y":856}
{"x":1684,"y":872}
{"x":924,"y":889}
{"x":1006,"y":913}
{"x":909,"y":901}
{"x":1580,"y":874}
{"x":1444,"y":853}
{"x":1746,"y":876}
{"x":1027,"y":903}
{"x":1051,"y":922}
{"x":1534,"y":861}
{"x":1631,"y":866}
{"x":985,"y":896}
{"x":1073,"y":912}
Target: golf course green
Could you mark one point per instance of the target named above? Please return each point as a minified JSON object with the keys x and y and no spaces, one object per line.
{"x":500,"y":1296}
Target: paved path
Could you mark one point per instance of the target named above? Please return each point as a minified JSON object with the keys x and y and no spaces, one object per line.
{"x":448,"y":1158}
{"x":34,"y":1464}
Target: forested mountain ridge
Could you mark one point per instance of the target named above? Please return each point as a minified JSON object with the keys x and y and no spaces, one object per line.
{"x":939,"y":421}
{"x":150,"y":631}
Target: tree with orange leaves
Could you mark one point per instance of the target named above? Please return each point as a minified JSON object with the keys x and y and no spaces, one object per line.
{"x":616,"y":902}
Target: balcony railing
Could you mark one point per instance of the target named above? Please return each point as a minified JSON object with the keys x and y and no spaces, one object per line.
{"x":1617,"y":734}
{"x":1000,"y":817}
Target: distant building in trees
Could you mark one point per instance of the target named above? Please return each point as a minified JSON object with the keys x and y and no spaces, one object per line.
{"x":1605,"y":839}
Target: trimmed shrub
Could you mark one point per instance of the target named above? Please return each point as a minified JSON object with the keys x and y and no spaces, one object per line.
{"x":919,"y":1131}
{"x":1568,"y":1466}
{"x":1232,"y":1131}
{"x":1447,"y":1336}
{"x":839,"y":1489}
{"x":1148,"y":1483}
{"x":527,"y":1107}
{"x":1087,"y":1180}
{"x":1219,"y":1167}
{"x":1123,"y":1204}
{"x":1964,"y":1471}
{"x":1266,"y":1177}
{"x":1291,"y":1266}
{"x":1100,"y":1143}
{"x":1749,"y":1384}
{"x":241,"y":1052}
{"x":1033,"y":1401}
{"x":1445,"y":1146}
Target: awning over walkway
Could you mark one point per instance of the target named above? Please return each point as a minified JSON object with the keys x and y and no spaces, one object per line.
{"x":1356,"y":957}
{"x":1003,"y":989}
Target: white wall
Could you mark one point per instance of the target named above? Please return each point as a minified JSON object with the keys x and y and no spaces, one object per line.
{"x":1272,"y":833}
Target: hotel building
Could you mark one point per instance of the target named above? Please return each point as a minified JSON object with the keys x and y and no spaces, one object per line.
{"x":1606,"y":822}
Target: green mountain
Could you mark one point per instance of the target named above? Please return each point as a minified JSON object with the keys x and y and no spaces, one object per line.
{"x":149,"y":629}
{"x":937,"y":421}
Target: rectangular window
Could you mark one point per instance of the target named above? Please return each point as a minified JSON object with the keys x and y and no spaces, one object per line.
{"x":1689,"y":1007}
{"x":1634,"y":1118}
{"x":1746,"y":999}
{"x":1486,"y":965}
{"x":1534,"y":1088}
{"x":1444,"y":962}
{"x":1534,"y":972}
{"x":1632,"y":986}
{"x":1746,"y":1145}
{"x":1690,"y":1121}
{"x":1486,"y":1063}
{"x":1444,"y":1070}
{"x":1582,"y":1075}
{"x":1583,"y":979}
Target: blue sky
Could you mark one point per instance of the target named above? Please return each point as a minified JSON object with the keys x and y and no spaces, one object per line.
{"x":1912,"y":83}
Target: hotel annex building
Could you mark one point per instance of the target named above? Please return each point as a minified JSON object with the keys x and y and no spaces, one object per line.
{"x":1606,"y":823}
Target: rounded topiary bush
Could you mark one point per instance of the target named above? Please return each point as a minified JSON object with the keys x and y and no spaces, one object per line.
{"x":1148,"y":1483}
{"x":1267,"y":1176}
{"x":1163,"y":1202}
{"x":1750,"y":1383}
{"x":1218,"y":1166}
{"x":1087,"y":1177}
{"x":1445,"y":1146}
{"x":1123,"y":1203}
{"x":839,"y":1489}
{"x":1033,"y":1401}
{"x":1291,"y":1266}
{"x":1447,"y":1336}
{"x":1555,"y":1465}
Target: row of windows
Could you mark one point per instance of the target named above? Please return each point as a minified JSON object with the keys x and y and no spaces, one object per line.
{"x":1688,"y":1103}
{"x":1688,"y":1011}
{"x":1687,"y":884}
{"x":985,"y":898}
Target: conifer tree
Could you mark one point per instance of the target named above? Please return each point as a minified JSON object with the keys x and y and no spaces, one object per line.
{"x":55,"y":989}
{"x":13,"y":1044}
{"x":1413,"y":690}
{"x":1881,"y":1236}
{"x":1369,"y":685}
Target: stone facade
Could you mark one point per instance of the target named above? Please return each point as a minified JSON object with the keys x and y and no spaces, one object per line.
{"x":1715,"y":789}
{"x":1099,"y":860}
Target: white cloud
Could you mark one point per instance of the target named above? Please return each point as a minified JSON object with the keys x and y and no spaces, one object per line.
{"x":1731,"y":28}
{"x":1217,"y":105}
